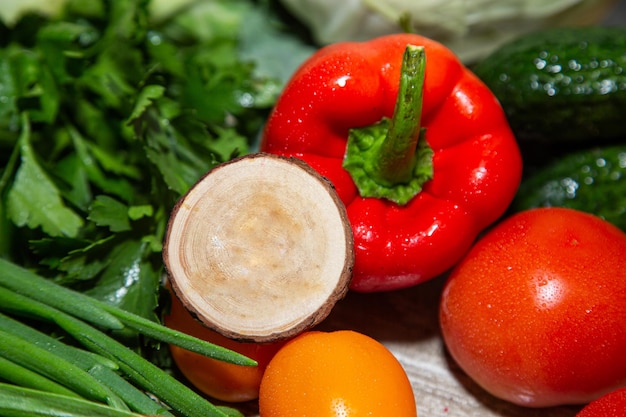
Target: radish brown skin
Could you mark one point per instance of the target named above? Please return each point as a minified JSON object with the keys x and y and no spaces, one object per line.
{"x":260,"y":249}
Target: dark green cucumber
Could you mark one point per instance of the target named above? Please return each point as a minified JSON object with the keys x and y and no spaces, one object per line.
{"x":593,"y":181}
{"x":562,"y":85}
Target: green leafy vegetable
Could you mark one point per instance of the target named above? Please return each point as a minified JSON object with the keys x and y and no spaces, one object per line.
{"x":34,"y":358}
{"x":81,"y":358}
{"x":23,"y":402}
{"x":24,"y":377}
{"x":102,"y":369}
{"x":29,"y":292}
{"x":25,"y":294}
{"x":34,"y":200}
{"x":134,"y":397}
{"x":109,"y":112}
{"x":107,"y":118}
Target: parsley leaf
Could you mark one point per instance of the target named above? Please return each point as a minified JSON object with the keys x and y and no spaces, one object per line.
{"x":109,"y":113}
{"x":107,"y":117}
{"x":107,"y":211}
{"x":34,"y":200}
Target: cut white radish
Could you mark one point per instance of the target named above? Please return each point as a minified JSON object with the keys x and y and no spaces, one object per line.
{"x":260,"y":249}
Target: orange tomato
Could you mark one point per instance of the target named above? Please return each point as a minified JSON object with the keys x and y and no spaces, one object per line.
{"x":335,"y":374}
{"x":220,"y":380}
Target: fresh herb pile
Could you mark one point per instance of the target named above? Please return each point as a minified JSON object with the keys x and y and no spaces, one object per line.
{"x":102,"y":377}
{"x":106,"y":119}
{"x":108,"y":115}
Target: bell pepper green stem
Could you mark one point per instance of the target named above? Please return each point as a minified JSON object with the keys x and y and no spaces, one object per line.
{"x":392,"y":159}
{"x":397,"y":152}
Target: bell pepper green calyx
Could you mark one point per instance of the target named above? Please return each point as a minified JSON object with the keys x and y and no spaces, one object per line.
{"x":391,"y":159}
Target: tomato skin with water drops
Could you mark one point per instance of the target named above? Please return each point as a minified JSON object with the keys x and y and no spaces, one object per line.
{"x":536,"y":311}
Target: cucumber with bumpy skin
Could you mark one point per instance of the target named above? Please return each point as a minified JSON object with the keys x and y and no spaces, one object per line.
{"x":592,"y":180}
{"x":562,"y":85}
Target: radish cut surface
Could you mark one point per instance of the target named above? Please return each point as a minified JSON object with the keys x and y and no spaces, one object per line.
{"x":260,"y":249}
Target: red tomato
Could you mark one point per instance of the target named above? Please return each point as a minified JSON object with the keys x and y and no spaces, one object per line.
{"x":612,"y":404}
{"x":220,"y":380}
{"x":536,"y":311}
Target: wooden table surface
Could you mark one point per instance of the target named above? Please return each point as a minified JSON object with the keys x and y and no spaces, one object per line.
{"x":406,"y":322}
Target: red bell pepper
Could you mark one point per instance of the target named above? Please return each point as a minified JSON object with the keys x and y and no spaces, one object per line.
{"x":421,"y":154}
